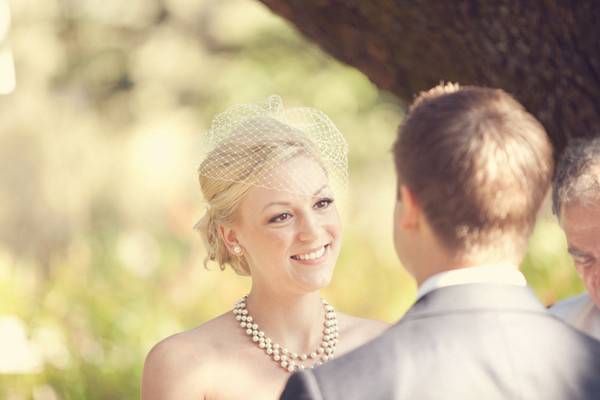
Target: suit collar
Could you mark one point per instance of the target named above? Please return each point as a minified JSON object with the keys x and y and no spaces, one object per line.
{"x":499,"y":273}
{"x":476,"y":296}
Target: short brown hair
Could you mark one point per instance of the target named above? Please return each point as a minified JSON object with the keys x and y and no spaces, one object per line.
{"x":478,"y":164}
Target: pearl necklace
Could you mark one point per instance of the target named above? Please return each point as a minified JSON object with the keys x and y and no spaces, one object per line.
{"x":287,"y":360}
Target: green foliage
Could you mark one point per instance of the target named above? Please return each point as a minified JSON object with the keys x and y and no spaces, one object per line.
{"x":98,"y":259}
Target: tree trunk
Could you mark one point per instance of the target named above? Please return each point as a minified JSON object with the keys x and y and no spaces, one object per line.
{"x":545,"y":53}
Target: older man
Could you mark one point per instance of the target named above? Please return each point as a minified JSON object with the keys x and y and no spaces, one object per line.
{"x":576,"y":202}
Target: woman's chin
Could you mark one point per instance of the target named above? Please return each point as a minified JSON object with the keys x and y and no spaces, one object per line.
{"x":314,"y":278}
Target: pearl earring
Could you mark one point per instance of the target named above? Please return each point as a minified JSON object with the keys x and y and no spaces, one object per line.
{"x":237,"y":249}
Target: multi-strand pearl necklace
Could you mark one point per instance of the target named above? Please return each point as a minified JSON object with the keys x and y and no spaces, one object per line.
{"x":287,"y":360}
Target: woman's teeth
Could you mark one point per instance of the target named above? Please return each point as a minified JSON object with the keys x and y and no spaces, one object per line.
{"x":310,"y":256}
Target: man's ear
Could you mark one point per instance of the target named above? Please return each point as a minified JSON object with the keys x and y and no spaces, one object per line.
{"x":410,"y":210}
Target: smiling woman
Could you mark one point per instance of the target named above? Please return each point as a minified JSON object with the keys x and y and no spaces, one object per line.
{"x":292,"y":243}
{"x":270,"y":178}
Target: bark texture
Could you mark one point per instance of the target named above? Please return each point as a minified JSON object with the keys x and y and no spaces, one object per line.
{"x":546,"y":53}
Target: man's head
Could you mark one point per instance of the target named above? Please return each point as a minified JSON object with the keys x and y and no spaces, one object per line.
{"x":473,"y":168}
{"x":576,"y":202}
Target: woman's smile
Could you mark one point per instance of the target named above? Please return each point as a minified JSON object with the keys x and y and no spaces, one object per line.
{"x":312,"y":257}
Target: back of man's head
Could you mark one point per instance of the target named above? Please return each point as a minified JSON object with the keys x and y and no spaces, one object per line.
{"x":479,"y":166}
{"x":577,"y":176}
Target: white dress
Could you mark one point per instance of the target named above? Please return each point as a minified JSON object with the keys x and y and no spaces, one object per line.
{"x":580,"y":312}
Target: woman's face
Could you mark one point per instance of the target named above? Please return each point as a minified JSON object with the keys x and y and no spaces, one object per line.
{"x":291,"y":241}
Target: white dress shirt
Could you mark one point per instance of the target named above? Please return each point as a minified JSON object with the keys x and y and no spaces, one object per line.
{"x":504,"y":274}
{"x":580,"y":312}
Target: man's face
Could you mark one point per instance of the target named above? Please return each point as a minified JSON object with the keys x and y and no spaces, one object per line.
{"x":581,"y":224}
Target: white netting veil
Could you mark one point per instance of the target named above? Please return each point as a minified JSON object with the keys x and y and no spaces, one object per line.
{"x":295,"y":150}
{"x":269,"y":146}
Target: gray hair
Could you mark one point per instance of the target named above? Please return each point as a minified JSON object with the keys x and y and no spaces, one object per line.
{"x":577,"y":174}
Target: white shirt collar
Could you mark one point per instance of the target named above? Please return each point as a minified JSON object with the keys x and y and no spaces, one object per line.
{"x":502,"y":273}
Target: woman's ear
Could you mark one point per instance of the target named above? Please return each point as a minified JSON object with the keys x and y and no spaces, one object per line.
{"x":229,"y":236}
{"x":410,"y":210}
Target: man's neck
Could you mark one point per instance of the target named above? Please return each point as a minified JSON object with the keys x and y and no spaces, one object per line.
{"x":445,"y":263}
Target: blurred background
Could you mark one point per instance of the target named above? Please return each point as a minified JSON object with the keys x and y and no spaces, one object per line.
{"x":98,"y":194}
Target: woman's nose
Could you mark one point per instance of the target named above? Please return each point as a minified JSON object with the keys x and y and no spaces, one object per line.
{"x":308,"y":229}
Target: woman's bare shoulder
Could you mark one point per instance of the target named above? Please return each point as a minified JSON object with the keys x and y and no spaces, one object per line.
{"x":176,"y":367}
{"x":359,"y":330}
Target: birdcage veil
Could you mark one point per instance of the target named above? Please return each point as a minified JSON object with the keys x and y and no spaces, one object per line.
{"x":258,"y":144}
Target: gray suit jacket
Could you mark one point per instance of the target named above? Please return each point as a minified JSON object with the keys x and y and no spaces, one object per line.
{"x":473,"y":341}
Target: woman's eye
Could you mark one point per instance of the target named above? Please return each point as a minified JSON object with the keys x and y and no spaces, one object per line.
{"x":281,"y":217}
{"x":323,"y":203}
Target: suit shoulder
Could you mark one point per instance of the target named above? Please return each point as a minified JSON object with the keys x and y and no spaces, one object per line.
{"x":565,"y":308}
{"x":353,"y":375}
{"x":302,"y":386}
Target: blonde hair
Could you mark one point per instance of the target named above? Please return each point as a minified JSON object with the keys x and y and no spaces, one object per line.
{"x":247,"y":160}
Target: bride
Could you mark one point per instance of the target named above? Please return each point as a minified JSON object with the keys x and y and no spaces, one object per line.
{"x":270,"y":178}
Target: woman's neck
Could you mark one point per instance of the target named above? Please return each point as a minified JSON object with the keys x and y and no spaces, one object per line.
{"x":293,"y":321}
